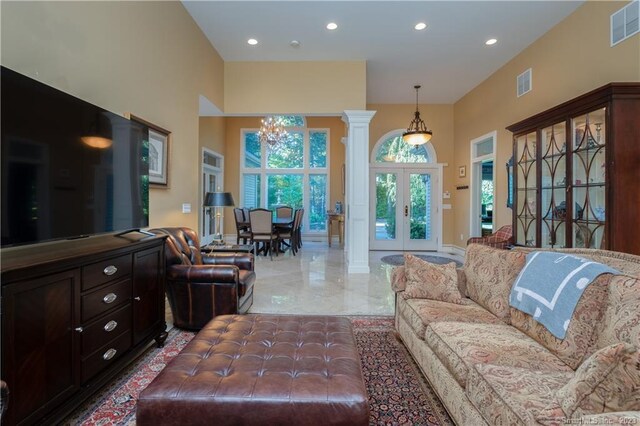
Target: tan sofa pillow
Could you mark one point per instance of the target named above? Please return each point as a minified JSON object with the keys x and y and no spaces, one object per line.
{"x":426,"y":280}
{"x":608,"y":381}
{"x":579,"y":342}
{"x":490,"y":274}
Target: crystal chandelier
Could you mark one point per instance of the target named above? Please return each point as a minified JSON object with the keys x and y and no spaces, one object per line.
{"x":417,"y":132}
{"x":272,"y":133}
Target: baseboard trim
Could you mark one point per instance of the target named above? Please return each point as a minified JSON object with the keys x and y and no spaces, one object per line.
{"x":453,"y":249}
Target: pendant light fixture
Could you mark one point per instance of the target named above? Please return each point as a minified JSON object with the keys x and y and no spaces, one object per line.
{"x":417,"y":132}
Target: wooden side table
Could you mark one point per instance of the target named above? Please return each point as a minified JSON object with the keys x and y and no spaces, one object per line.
{"x":335,"y":217}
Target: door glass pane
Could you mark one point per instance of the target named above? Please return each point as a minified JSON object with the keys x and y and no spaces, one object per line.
{"x":386,"y":196}
{"x":554,"y":182}
{"x":284,"y":190}
{"x":251,"y":191}
{"x":290,"y":155}
{"x":484,"y":148}
{"x":318,"y":149}
{"x":395,"y":150}
{"x":420,"y":207}
{"x":252,"y":153}
{"x":588,"y":190}
{"x":317,"y":202}
{"x":526,"y":188}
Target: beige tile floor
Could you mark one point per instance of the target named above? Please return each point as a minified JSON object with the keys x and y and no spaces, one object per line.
{"x":315,"y":281}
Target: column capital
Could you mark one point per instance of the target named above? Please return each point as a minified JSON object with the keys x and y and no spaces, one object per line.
{"x":352,"y":116}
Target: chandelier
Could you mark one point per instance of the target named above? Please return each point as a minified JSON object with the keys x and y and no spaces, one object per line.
{"x":417,"y":132}
{"x":272,"y":132}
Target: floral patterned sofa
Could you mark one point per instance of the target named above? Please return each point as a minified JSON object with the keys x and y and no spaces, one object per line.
{"x":492,"y":364}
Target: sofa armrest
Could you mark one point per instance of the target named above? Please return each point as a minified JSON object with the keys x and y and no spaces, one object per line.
{"x":241,"y":260}
{"x":398,"y":279}
{"x":462,"y":282}
{"x":204,"y":273}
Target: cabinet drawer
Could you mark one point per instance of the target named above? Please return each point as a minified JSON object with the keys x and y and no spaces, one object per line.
{"x":106,"y":328}
{"x":105,"y":356}
{"x":100,"y":301}
{"x":106,"y":270}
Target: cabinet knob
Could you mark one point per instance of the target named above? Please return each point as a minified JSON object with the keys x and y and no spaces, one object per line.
{"x":109,"y":354}
{"x":110,"y":298}
{"x":110,"y":270}
{"x":137,"y":298}
{"x":79,"y":329}
{"x":110,"y":326}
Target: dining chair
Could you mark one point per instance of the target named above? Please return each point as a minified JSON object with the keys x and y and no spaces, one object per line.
{"x":260,"y":221}
{"x":289,"y":233}
{"x":284,"y":212}
{"x":242,"y":229}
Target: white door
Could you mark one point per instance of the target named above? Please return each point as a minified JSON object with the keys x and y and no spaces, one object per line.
{"x":405,"y":209}
{"x":212,"y":172}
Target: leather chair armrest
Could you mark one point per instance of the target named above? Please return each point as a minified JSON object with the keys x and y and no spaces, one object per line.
{"x":204,"y":273}
{"x":241,"y":260}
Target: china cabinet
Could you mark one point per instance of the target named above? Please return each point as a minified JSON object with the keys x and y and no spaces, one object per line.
{"x":577,"y":173}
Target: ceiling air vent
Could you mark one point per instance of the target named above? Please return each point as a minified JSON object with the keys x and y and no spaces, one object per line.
{"x":625,"y":22}
{"x":524,"y":82}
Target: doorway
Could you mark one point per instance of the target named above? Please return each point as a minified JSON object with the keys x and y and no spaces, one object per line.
{"x":404,"y":215}
{"x":212,"y":181}
{"x":482,"y":185}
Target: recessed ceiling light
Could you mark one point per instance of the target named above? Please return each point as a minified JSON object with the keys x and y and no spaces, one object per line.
{"x":252,"y":41}
{"x":332,"y":26}
{"x":491,"y":41}
{"x":420,"y":26}
{"x":294,"y":43}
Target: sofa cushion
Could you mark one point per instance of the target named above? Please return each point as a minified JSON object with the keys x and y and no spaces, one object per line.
{"x":621,"y":318}
{"x":490,"y":274}
{"x":511,"y":395}
{"x":579,"y":342}
{"x":606,"y":382}
{"x":421,"y":312}
{"x":426,"y":280}
{"x":460,"y":346}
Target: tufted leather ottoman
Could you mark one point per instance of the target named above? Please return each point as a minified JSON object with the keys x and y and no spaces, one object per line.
{"x":261,"y":370}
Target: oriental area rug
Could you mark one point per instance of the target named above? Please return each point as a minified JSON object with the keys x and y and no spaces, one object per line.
{"x":398,"y":392}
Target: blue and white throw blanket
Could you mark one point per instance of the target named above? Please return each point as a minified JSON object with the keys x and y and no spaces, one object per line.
{"x":550,"y":285}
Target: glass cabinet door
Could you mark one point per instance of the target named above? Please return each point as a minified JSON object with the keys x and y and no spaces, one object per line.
{"x":588,"y":182}
{"x":553,"y":185}
{"x":525,"y":232}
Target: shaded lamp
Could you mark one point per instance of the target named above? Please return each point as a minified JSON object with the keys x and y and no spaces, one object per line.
{"x":218,"y":200}
{"x":417,"y":132}
{"x":99,"y":135}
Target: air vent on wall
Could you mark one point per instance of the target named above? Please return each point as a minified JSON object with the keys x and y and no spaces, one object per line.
{"x":625,"y":22}
{"x":524,"y":82}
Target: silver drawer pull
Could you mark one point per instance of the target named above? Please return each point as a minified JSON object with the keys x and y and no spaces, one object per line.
{"x":109,"y":354}
{"x":79,"y":329}
{"x":137,"y":298}
{"x":110,"y":326}
{"x":110,"y":298}
{"x":110,"y":270}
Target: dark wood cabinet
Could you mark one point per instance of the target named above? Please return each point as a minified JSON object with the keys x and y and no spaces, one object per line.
{"x":577,"y":173}
{"x":74,"y":314}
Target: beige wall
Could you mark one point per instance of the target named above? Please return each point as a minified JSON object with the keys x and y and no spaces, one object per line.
{"x":439,"y":119}
{"x":294,"y":87}
{"x":234,"y":125}
{"x":147,"y":58}
{"x":572,"y":58}
{"x":212,"y":134}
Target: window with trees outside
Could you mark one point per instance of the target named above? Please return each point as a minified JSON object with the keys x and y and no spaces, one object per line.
{"x":295,"y":175}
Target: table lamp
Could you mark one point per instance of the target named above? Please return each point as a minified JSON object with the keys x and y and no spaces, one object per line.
{"x":217,"y":200}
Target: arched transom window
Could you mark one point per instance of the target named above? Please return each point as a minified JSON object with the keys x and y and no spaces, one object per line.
{"x":394,"y":150}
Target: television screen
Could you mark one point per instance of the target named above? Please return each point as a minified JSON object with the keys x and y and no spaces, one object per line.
{"x":69,"y":168}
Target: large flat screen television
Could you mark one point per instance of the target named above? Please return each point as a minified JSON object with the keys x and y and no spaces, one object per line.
{"x":69,"y":168}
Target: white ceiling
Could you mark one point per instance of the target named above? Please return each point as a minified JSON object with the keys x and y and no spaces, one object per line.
{"x":449,"y":58}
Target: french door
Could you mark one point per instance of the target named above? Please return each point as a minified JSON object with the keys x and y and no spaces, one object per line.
{"x":404,"y":215}
{"x":212,"y":173}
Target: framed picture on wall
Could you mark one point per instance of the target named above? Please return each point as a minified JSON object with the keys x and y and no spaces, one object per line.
{"x":462,"y":171}
{"x":159,"y":152}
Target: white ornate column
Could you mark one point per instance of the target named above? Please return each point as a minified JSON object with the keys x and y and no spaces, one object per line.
{"x":357,"y":190}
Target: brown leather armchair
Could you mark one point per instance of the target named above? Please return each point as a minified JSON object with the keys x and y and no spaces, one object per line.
{"x":202,"y":286}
